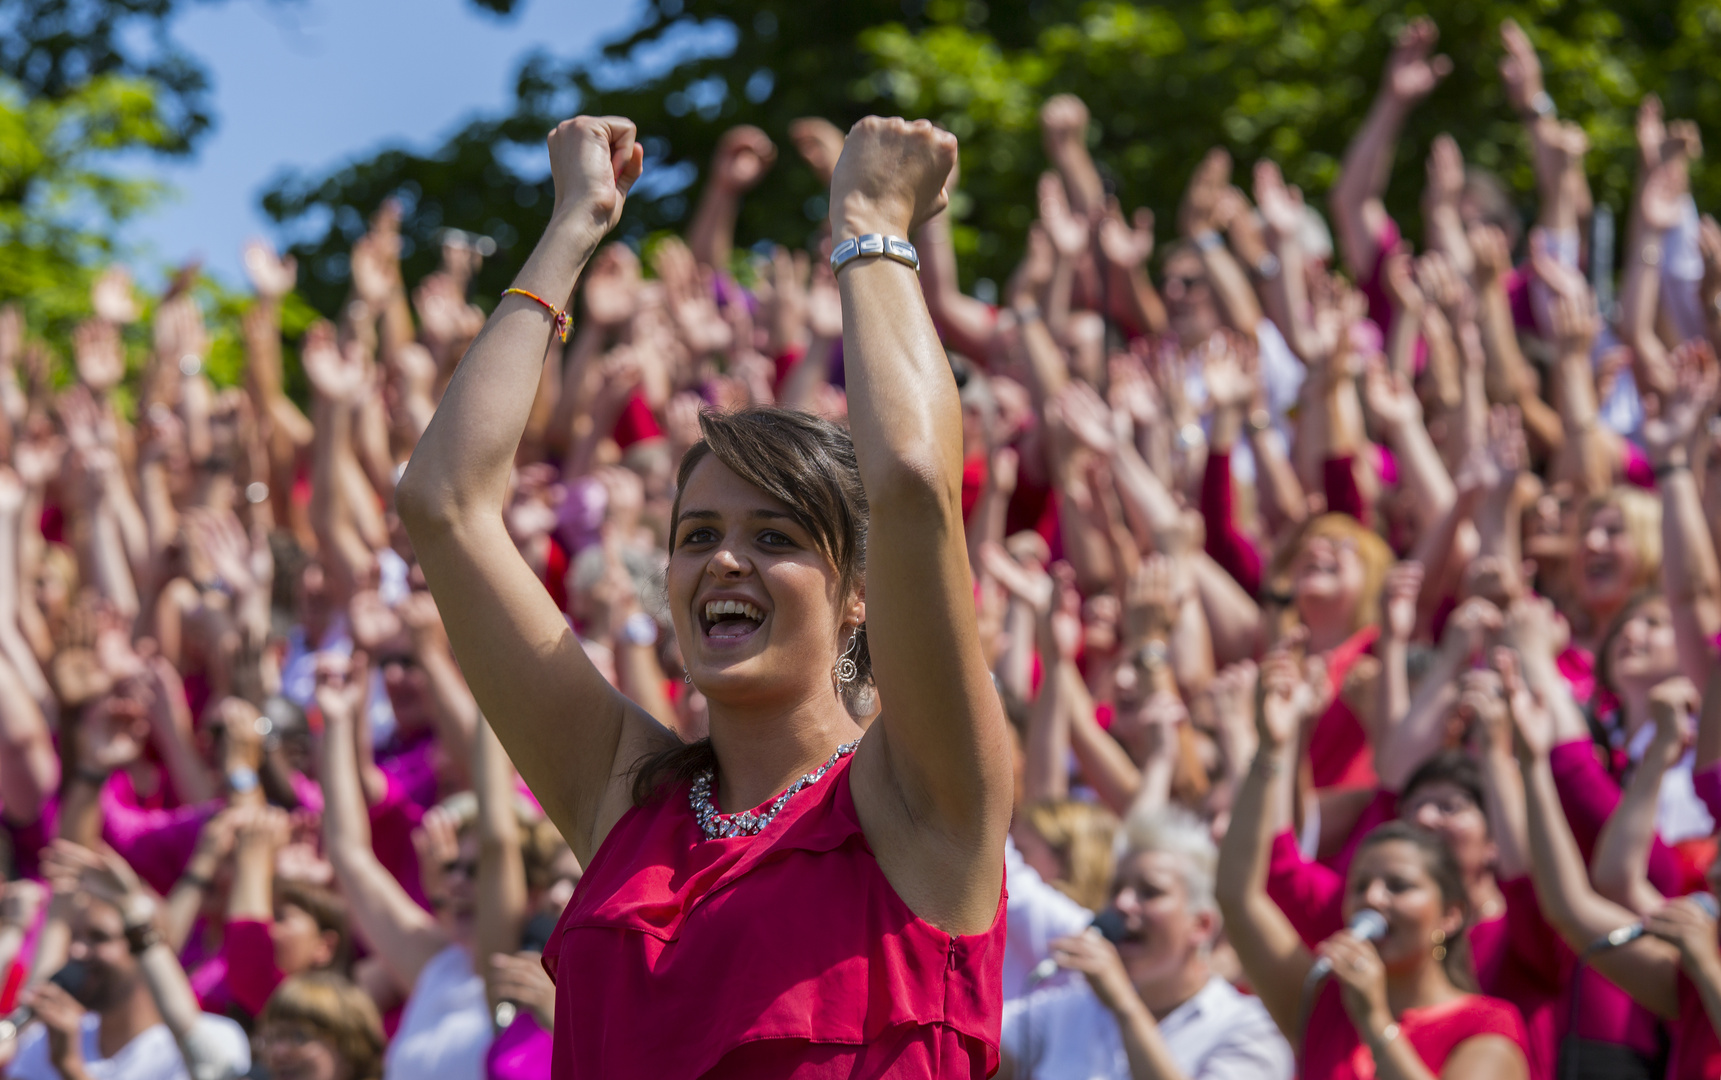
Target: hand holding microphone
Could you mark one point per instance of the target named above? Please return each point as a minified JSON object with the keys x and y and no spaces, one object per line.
{"x":1686,"y":921}
{"x":69,"y":978}
{"x":1110,"y":925}
{"x":1366,"y":925}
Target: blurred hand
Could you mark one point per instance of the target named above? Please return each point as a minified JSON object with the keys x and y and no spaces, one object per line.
{"x":20,"y":901}
{"x":1126,"y":246}
{"x":744,"y":155}
{"x":1411,"y":73}
{"x":112,"y":296}
{"x":272,"y":275}
{"x":521,"y":978}
{"x":820,"y":144}
{"x":1520,"y":70}
{"x":60,"y":1013}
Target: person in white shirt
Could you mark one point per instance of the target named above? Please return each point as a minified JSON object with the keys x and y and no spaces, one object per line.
{"x":133,"y":1015}
{"x":1150,"y":1007}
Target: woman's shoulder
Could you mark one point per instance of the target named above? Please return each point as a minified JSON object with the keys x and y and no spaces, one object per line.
{"x":1469,"y":1015}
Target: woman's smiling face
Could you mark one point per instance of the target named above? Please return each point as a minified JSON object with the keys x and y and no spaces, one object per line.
{"x":755,"y":602}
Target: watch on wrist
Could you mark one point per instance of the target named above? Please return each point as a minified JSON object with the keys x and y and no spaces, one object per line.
{"x":242,"y":780}
{"x":139,"y":937}
{"x":894,"y":248}
{"x":1267,"y":267}
{"x":1208,"y":239}
{"x":1260,"y":420}
{"x":1542,"y":104}
{"x":639,"y":629}
{"x":1190,"y":436}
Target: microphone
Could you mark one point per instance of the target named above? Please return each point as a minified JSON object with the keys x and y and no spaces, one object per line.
{"x":1111,"y":927}
{"x":69,"y":978}
{"x":1625,"y":935}
{"x":1366,"y":925}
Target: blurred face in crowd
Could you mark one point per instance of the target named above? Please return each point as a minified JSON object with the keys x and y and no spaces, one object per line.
{"x":1327,"y":578}
{"x":294,"y":1052}
{"x":1448,"y":811}
{"x":300,"y":944}
{"x":98,"y":942}
{"x":755,"y":602}
{"x":1644,"y":651}
{"x":1100,"y":617}
{"x":408,"y":689}
{"x":457,"y":907}
{"x":1162,"y":934}
{"x":1608,"y":561}
{"x":1189,"y":300}
{"x":1392,"y":877}
{"x":312,"y":596}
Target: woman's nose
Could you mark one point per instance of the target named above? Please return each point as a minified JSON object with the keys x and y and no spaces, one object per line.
{"x":725,"y":563}
{"x":78,"y":950}
{"x":1378,"y":896}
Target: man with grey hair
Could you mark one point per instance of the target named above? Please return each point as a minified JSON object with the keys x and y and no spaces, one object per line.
{"x":1150,"y":1007}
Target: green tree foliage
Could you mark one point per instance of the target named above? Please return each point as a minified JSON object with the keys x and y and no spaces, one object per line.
{"x":59,"y":204}
{"x":1290,"y":80}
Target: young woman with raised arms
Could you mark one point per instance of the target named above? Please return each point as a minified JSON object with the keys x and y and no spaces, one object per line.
{"x":855,"y":926}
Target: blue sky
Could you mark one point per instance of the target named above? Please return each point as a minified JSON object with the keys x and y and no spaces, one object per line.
{"x":311,"y":83}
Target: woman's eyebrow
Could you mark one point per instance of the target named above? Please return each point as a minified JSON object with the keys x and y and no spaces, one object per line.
{"x":712,"y":515}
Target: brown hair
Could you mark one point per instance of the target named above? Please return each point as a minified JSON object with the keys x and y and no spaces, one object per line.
{"x":1604,"y":667}
{"x":806,"y":463}
{"x":1442,"y":866}
{"x":326,"y":908}
{"x":335,"y":1011}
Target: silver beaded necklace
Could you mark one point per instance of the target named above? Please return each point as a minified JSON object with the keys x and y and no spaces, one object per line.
{"x":718,"y":826}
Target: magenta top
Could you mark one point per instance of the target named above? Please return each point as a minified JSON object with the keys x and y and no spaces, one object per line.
{"x":1226,"y":543}
{"x":777,"y":955}
{"x":1332,"y":1050}
{"x":521,"y":1052}
{"x":1517,"y":956}
{"x":1696,"y":1053}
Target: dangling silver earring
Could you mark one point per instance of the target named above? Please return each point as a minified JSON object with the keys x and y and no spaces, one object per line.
{"x":845,"y":669}
{"x":687,"y":677}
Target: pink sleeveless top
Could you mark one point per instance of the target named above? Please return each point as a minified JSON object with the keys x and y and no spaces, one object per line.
{"x":785,"y":954}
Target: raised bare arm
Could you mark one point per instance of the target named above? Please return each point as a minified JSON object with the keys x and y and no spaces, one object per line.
{"x":522,"y":661}
{"x":934,"y":791}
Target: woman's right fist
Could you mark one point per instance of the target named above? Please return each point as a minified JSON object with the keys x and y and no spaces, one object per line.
{"x":594,"y":161}
{"x":891,"y":177}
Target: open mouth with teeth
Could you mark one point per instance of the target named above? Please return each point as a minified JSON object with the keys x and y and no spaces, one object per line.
{"x":730,"y":620}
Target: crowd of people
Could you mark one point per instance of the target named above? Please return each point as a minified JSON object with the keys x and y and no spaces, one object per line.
{"x":1353,"y":603}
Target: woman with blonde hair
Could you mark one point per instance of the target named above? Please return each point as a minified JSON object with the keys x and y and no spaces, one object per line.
{"x":1070,"y":843}
{"x":319,"y":1026}
{"x":1330,"y":576}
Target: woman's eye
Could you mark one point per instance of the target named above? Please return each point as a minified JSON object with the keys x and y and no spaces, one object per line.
{"x":774,"y":539}
{"x":698,"y":536}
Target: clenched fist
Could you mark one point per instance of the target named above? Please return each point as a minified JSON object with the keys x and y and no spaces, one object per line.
{"x":891,"y":177}
{"x":594,"y":161}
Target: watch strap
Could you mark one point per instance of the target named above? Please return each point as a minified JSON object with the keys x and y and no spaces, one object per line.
{"x":871,"y":244}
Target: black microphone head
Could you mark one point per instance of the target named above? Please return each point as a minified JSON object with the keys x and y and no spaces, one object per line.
{"x":1110,"y":924}
{"x":72,"y":977}
{"x":1368,"y":924}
